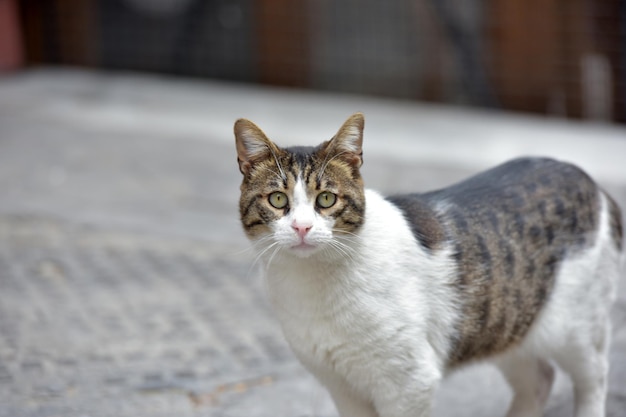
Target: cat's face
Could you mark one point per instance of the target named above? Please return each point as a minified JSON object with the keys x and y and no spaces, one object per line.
{"x":301,"y":200}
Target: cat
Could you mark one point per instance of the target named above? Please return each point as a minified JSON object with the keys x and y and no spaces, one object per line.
{"x":381,"y":297}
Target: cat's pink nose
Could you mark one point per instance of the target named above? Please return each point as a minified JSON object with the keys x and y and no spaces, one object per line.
{"x":301,"y":228}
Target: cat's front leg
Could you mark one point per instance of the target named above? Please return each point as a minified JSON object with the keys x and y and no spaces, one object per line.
{"x":410,"y":396}
{"x":350,"y":405}
{"x":408,"y":404}
{"x":347,"y":402}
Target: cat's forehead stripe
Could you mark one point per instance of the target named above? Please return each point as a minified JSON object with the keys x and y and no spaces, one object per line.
{"x":298,"y":160}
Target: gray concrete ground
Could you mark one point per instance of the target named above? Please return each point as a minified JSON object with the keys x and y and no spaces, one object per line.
{"x":126,"y":286}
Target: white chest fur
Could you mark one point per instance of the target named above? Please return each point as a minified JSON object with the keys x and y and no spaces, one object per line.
{"x":342,"y":316}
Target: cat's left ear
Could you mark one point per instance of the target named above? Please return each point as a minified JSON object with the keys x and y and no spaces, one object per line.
{"x":347,"y":144}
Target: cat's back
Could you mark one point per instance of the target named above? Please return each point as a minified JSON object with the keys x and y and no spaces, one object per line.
{"x":525,"y":201}
{"x":509,"y":229}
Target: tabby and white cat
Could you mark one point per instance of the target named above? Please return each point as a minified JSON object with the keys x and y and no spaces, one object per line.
{"x":381,"y":297}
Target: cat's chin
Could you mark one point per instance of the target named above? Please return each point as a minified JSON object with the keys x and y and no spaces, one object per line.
{"x":304,"y":250}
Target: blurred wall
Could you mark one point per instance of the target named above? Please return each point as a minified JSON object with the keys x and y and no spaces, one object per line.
{"x":557,"y":57}
{"x":11,"y":48}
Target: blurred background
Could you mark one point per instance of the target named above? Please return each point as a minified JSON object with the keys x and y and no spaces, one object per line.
{"x":558,"y":57}
{"x":127,"y":287}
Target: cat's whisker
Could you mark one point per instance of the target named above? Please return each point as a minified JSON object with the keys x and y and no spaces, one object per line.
{"x":243,"y":251}
{"x":342,"y":248}
{"x":262,"y":240}
{"x":337,"y":249}
{"x":253,"y":246}
{"x":280,"y":176}
{"x":344,"y":234}
{"x":273,"y":255}
{"x":264,"y":251}
{"x":283,"y":177}
{"x":328,"y":161}
{"x":260,"y":255}
{"x":348,"y":241}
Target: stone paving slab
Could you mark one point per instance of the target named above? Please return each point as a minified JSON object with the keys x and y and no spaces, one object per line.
{"x":126,"y":285}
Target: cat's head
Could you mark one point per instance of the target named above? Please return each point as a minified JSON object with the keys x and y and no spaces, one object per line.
{"x":301,"y":200}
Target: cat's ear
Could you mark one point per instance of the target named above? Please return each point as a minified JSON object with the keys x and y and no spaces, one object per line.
{"x":252,"y":145}
{"x":347,"y":144}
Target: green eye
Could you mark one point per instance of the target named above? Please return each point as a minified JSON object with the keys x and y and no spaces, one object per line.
{"x":278,"y":200}
{"x":326,"y":199}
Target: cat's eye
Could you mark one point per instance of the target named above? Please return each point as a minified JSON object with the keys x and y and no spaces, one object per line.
{"x":326,"y":199}
{"x":278,"y":199}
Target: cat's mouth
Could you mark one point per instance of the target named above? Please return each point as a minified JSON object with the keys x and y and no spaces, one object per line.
{"x":303,"y":249}
{"x":303,"y":246}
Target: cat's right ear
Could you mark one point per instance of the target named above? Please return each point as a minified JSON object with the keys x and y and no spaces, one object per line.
{"x":252,"y":145}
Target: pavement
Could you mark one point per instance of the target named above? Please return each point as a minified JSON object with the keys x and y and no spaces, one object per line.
{"x":127,"y":287}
